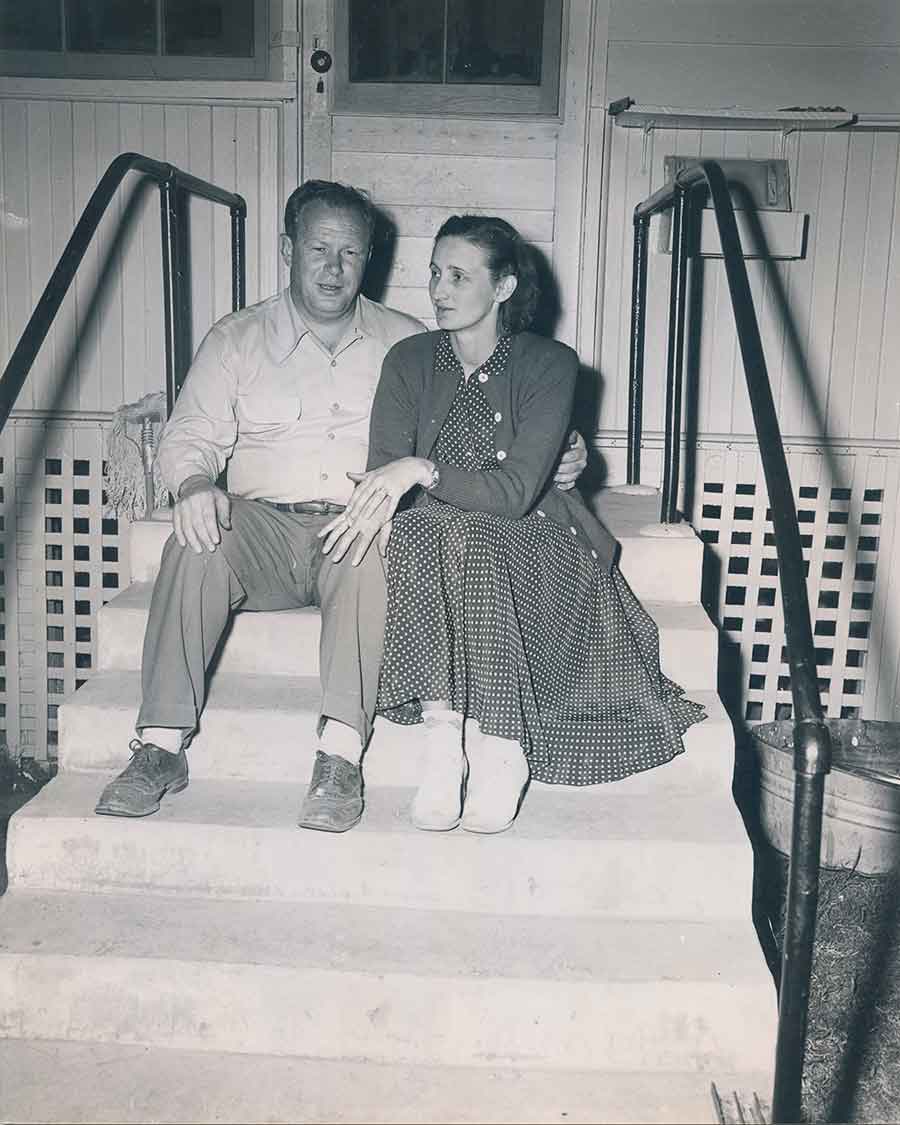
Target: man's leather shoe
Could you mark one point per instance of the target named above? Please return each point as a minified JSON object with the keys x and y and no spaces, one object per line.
{"x":334,"y":801}
{"x":146,"y":779}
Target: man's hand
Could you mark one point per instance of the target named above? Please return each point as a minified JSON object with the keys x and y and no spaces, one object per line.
{"x":201,"y":510}
{"x":572,"y":463}
{"x":372,"y":507}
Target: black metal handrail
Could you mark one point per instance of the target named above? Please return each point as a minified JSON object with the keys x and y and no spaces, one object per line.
{"x":812,"y":745}
{"x":175,"y":188}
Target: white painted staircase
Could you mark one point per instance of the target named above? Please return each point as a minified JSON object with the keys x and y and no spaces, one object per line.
{"x":215,"y":963}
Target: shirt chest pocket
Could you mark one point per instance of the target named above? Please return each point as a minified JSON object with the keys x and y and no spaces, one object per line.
{"x":267,"y":411}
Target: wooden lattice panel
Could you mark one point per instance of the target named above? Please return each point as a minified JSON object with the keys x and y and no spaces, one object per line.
{"x":68,"y":562}
{"x":842,"y":501}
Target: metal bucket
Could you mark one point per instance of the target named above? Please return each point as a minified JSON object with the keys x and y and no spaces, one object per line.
{"x":861,"y":812}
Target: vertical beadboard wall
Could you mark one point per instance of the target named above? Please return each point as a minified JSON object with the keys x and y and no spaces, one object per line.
{"x":106,"y":347}
{"x":829,"y":321}
{"x":421,"y":170}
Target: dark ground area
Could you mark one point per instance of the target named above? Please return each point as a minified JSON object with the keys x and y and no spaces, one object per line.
{"x":19,"y":781}
{"x":852,"y":1068}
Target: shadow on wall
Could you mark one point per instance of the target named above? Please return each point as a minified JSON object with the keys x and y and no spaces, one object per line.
{"x":384,"y":245}
{"x":849,"y":1071}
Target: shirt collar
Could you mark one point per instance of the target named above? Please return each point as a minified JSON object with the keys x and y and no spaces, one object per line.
{"x":289,"y":327}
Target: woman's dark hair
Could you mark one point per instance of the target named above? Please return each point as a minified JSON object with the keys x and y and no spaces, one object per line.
{"x":341,"y":197}
{"x":507,"y":254}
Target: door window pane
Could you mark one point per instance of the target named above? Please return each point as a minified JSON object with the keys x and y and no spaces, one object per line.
{"x":212,"y":27}
{"x":30,"y":25}
{"x":123,"y":26}
{"x":396,"y":40}
{"x":491,"y":41}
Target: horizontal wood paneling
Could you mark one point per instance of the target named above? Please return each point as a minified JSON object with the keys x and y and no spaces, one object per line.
{"x":419,"y":171}
{"x":423,"y":221}
{"x":828,"y":321}
{"x":451,"y":181}
{"x":106,"y":347}
{"x":809,"y":23}
{"x":446,"y":137}
{"x":861,"y":79}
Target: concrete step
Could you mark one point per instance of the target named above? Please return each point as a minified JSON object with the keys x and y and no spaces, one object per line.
{"x":660,"y":563}
{"x":264,"y":727}
{"x":425,"y":988}
{"x":286,"y":643}
{"x":578,"y":852}
{"x":48,"y":1081}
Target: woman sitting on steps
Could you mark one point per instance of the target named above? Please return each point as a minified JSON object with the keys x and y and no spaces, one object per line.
{"x":510,"y":630}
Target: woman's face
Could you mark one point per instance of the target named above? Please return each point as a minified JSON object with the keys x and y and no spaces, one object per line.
{"x":462,"y":290}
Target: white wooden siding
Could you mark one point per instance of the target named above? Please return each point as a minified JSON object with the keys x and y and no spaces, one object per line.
{"x":107,"y":345}
{"x":421,"y":170}
{"x":832,"y":347}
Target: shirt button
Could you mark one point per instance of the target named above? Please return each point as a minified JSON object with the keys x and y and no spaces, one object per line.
{"x":324,"y":476}
{"x":334,"y":363}
{"x":482,"y":376}
{"x":498,"y":417}
{"x":335,"y":407}
{"x":330,"y":436}
{"x":501,"y":454}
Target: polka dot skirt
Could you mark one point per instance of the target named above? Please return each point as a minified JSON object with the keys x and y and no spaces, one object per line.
{"x":515,"y":624}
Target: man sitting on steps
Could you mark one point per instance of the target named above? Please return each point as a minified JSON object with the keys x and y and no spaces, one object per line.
{"x":280,"y":393}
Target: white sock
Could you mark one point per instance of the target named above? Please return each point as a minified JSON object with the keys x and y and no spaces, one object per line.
{"x":166,"y":738}
{"x":338,"y":738}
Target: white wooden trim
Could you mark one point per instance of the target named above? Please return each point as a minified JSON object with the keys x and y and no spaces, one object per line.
{"x":874,"y":121}
{"x":571,"y":163}
{"x":594,"y":219}
{"x":247,"y":93}
{"x":730,"y":117}
{"x":315,"y":105}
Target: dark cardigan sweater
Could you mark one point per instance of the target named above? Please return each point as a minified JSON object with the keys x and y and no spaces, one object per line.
{"x":532,"y":403}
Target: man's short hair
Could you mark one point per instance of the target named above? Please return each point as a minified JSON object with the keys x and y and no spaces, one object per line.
{"x":342,"y":197}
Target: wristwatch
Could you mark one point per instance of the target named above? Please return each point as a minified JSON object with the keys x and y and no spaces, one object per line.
{"x":435,"y":479}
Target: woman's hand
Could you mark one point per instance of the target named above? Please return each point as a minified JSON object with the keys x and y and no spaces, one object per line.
{"x":372,"y":506}
{"x":572,"y":463}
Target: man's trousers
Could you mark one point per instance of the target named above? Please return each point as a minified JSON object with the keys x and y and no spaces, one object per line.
{"x":268,"y":560}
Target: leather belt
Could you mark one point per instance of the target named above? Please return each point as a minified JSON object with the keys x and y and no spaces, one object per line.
{"x":308,"y":507}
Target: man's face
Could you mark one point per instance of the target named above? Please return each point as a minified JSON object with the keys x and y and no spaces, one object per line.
{"x":327,"y":260}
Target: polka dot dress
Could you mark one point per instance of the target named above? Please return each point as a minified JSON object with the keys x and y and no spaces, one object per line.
{"x":514,"y":623}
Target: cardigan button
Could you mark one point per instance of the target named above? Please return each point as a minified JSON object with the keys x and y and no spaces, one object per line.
{"x":498,"y":417}
{"x":573,"y":530}
{"x":593,"y":554}
{"x":501,"y":454}
{"x":543,"y":515}
{"x":482,"y":377}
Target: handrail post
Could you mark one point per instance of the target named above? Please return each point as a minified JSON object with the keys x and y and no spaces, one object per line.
{"x":636,"y":358}
{"x":812,"y":743}
{"x":238,"y":263}
{"x":799,"y":936}
{"x":176,"y":297}
{"x":675,"y":360}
